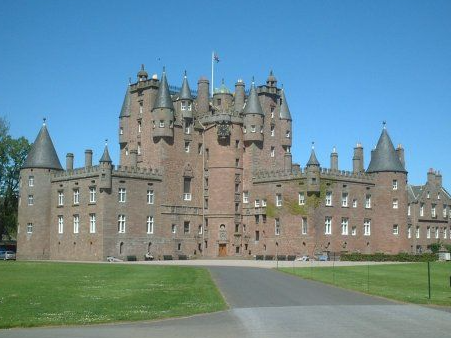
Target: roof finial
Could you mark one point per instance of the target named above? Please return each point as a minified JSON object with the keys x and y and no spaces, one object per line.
{"x":222,"y":81}
{"x":43,"y":121}
{"x":142,"y":66}
{"x":270,"y":72}
{"x":313,"y":145}
{"x":129,"y":81}
{"x":253,"y":81}
{"x":164,"y":69}
{"x":185,"y":74}
{"x":384,"y":124}
{"x":334,"y":149}
{"x":106,"y":142}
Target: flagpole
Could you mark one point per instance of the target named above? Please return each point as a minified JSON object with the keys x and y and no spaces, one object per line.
{"x":212,"y":71}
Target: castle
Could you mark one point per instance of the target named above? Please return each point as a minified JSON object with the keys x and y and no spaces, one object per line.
{"x":203,"y":176}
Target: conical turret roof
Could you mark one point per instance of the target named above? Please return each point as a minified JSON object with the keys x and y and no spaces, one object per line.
{"x":384,"y":157}
{"x":42,"y":153}
{"x":125,"y":110}
{"x":105,"y":156}
{"x":185,"y":92}
{"x":253,"y":103}
{"x":313,"y":161}
{"x":284,"y":110}
{"x":163,"y":98}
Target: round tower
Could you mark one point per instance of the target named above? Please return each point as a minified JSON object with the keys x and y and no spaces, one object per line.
{"x":313,"y":173}
{"x":222,"y":97}
{"x":239,"y":96}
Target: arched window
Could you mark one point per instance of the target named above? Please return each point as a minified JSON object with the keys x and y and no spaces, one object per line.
{"x":121,"y":248}
{"x":149,"y":246}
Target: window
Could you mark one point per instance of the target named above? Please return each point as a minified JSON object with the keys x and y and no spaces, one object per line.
{"x":328,"y":226}
{"x":272,"y":131}
{"x":367,"y":227}
{"x":150,"y":196}
{"x":287,"y":134}
{"x":200,"y":230}
{"x":184,"y":105}
{"x":395,"y":184}
{"x":257,"y":236}
{"x":253,"y":129}
{"x":187,"y":127}
{"x":245,"y":197}
{"x":237,"y":144}
{"x":433,"y":213}
{"x":368,"y":201}
{"x":277,"y":227}
{"x":354,"y":203}
{"x":417,"y":232}
{"x":29,"y":228}
{"x":121,"y":131}
{"x":76,"y":196}
{"x":445,"y":212}
{"x":409,"y":231}
{"x":60,"y":224}
{"x":237,"y":162}
{"x":354,"y":230}
{"x":186,"y":147}
{"x":304,"y":226}
{"x":161,"y":123}
{"x":76,"y":223}
{"x":445,"y":230}
{"x":92,"y":195}
{"x":149,"y":224}
{"x":272,"y":152}
{"x":344,"y":199}
{"x":30,"y":200}
{"x":122,"y":195}
{"x":92,"y":223}
{"x":261,"y":129}
{"x":278,"y":200}
{"x":139,"y":149}
{"x":264,"y":202}
{"x":428,"y":195}
{"x":140,"y":103}
{"x":60,"y":198}
{"x":257,"y":203}
{"x":31,"y":182}
{"x":186,"y":227}
{"x":344,"y":226}
{"x":288,"y":149}
{"x":244,"y":130}
{"x":436,"y":232}
{"x":121,"y":224}
{"x":257,"y":219}
{"x":174,"y":228}
{"x":187,"y":189}
{"x":139,"y":126}
{"x":438,"y":196}
{"x":301,"y":198}
{"x":408,"y":209}
{"x":328,"y":198}
{"x":428,"y":232}
{"x":395,"y":203}
{"x":395,"y":229}
{"x":422,"y":209}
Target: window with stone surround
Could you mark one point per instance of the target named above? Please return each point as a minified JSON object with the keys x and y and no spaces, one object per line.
{"x":30,"y":200}
{"x":344,"y":226}
{"x":445,"y":231}
{"x":174,"y":228}
{"x":139,"y":126}
{"x":287,"y":134}
{"x":421,"y":209}
{"x":150,"y":196}
{"x":354,"y":231}
{"x":328,"y":198}
{"x":367,"y":227}
{"x":272,"y":130}
{"x":121,"y":224}
{"x":31,"y":181}
{"x":76,"y":196}
{"x":408,"y":209}
{"x":186,"y":146}
{"x":409,"y":231}
{"x":428,"y":232}
{"x":92,"y":223}
{"x":328,"y":225}
{"x":60,"y":198}
{"x":445,"y":210}
{"x":272,"y":153}
{"x":354,"y":203}
{"x":253,"y":129}
{"x":245,"y":196}
{"x":368,"y":201}
{"x":122,"y":195}
{"x":433,"y":211}
{"x":187,"y":189}
{"x":301,"y":198}
{"x":149,"y":224}
{"x":344,"y":199}
{"x":29,"y":228}
{"x":186,"y":226}
{"x":395,"y":229}
{"x":257,"y":203}
{"x":76,"y":223}
{"x":417,"y":232}
{"x":437,"y":232}
{"x":395,"y":203}
{"x":304,"y":226}
{"x":92,"y":194}
{"x":395,"y":184}
{"x":264,"y":202}
{"x":277,"y":227}
{"x":278,"y":200}
{"x":60,"y":224}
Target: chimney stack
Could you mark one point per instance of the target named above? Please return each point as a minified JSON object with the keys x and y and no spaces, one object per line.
{"x":88,"y":158}
{"x":400,"y":153}
{"x":334,"y":160}
{"x":69,"y":161}
{"x":357,"y":160}
{"x":203,"y":97}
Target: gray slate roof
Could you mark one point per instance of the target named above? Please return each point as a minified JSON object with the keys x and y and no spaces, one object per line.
{"x":313,"y":161}
{"x":42,"y":153}
{"x":106,"y":156}
{"x":163,"y":98}
{"x":384,"y":157}
{"x":185,"y":92}
{"x":284,"y":110}
{"x":125,"y":111}
{"x":253,"y":103}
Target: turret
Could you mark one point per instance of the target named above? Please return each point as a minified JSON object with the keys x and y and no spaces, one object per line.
{"x":285,"y":121}
{"x":142,"y":74}
{"x":203,"y":96}
{"x":185,"y":100}
{"x":34,"y":218}
{"x":163,"y":111}
{"x":357,"y":159}
{"x":334,"y":160}
{"x":106,"y":169}
{"x":253,"y":117}
{"x":124,"y":118}
{"x":239,"y":96}
{"x":313,"y":172}
{"x":271,"y":83}
{"x":222,"y":97}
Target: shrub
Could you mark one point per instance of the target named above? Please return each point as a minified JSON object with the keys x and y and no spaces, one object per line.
{"x":259,"y":257}
{"x":183,"y":257}
{"x":381,"y":257}
{"x":167,"y":257}
{"x":281,"y":257}
{"x":291,"y":257}
{"x":131,"y":258}
{"x":434,"y":247}
{"x":269,"y":258}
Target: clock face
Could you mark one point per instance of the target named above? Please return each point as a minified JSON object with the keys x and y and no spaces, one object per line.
{"x":223,"y":130}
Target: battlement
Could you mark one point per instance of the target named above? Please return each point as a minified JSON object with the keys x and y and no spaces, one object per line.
{"x":338,"y":174}
{"x":76,"y":173}
{"x":127,"y":171}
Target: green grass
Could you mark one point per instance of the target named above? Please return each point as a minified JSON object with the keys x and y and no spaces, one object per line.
{"x":37,"y":294}
{"x":404,"y":282}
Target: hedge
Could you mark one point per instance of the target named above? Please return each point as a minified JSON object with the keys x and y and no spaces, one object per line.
{"x":381,"y":257}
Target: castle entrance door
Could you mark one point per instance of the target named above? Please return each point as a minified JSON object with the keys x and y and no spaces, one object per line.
{"x":222,"y":250}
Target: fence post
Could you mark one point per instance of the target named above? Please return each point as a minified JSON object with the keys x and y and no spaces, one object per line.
{"x":429,"y":279}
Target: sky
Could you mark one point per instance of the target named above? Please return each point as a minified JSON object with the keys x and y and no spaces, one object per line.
{"x":346,"y":67}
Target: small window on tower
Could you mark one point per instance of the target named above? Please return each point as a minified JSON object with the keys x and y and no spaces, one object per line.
{"x":272,"y":131}
{"x":272,"y":152}
{"x":161,"y":123}
{"x":121,"y":131}
{"x":218,"y":102}
{"x":287,"y":134}
{"x":253,"y":129}
{"x":186,"y":147}
{"x":183,"y":105}
{"x":187,"y":189}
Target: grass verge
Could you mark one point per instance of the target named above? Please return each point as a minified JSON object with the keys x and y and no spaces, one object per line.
{"x":38,"y":294}
{"x":404,"y":282}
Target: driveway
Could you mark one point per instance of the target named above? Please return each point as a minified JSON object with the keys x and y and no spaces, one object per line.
{"x":267,"y":303}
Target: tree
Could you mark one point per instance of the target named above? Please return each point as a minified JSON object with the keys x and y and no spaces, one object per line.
{"x":13,"y":153}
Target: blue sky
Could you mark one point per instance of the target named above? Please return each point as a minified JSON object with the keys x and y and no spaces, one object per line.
{"x":346,"y":67}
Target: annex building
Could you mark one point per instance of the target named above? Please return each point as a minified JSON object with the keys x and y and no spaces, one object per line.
{"x":212,"y":176}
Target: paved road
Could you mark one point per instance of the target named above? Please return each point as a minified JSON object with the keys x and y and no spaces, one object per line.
{"x":267,"y":303}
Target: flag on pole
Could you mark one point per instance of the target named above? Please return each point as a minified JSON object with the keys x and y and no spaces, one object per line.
{"x":216,"y":57}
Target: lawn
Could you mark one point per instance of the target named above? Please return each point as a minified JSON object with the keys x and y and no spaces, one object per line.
{"x":404,"y":282}
{"x":44,"y":293}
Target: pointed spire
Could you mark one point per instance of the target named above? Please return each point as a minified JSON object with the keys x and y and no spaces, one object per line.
{"x":284,"y":110}
{"x":253,"y":103}
{"x":142,"y":73}
{"x":384,"y":157}
{"x":125,"y":110}
{"x":313,"y":161}
{"x":106,"y":155}
{"x":163,"y":98}
{"x":185,"y":92}
{"x":43,"y":153}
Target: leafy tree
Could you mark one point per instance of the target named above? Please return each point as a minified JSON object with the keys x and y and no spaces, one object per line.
{"x":12,"y":156}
